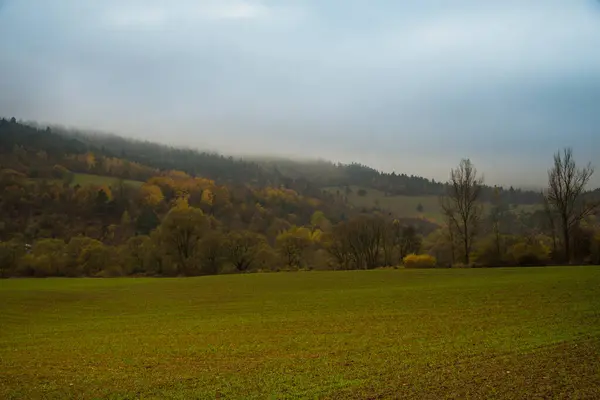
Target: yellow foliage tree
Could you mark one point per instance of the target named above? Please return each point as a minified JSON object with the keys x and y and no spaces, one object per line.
{"x":151,"y":194}
{"x":208,"y":197}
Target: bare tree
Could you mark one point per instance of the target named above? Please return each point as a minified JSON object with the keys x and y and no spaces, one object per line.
{"x":461,"y":206}
{"x":358,"y":242}
{"x":564,"y":196}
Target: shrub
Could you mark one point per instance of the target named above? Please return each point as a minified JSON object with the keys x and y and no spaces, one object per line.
{"x":362,"y":192}
{"x":526,"y":254}
{"x":419,"y":261}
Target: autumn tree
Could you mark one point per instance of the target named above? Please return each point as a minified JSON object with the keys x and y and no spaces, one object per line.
{"x":87,"y":256}
{"x":565,"y":195}
{"x":243,"y":249}
{"x":181,"y":231}
{"x":461,"y":204}
{"x":211,"y":252}
{"x":151,"y":195}
{"x":293,"y":244}
{"x":10,"y":253}
{"x":319,"y":221}
{"x":47,"y":258}
{"x":135,"y":254}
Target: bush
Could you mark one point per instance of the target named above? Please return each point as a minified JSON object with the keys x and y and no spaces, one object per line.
{"x":419,"y":261}
{"x":529,"y":254}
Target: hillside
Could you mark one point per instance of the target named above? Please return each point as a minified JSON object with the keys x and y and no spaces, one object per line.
{"x":308,"y":174}
{"x":77,"y":204}
{"x":405,"y":206}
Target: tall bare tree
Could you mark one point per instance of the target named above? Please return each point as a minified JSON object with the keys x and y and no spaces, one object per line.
{"x":461,"y":205}
{"x":565,"y":195}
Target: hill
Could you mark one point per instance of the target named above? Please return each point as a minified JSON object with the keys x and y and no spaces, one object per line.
{"x":77,"y":203}
{"x":404,"y":206}
{"x":313,"y":174}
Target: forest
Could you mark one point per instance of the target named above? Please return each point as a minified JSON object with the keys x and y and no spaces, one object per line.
{"x":77,"y":203}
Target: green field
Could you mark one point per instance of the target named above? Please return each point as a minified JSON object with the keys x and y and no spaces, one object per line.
{"x":468,"y":333}
{"x":89,"y":179}
{"x":405,"y":206}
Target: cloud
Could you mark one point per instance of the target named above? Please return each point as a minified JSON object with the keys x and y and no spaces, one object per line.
{"x":406,"y":86}
{"x":162,"y":13}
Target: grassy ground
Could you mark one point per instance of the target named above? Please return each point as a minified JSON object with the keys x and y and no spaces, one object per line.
{"x":405,"y":206}
{"x":89,"y":179}
{"x":481,"y":333}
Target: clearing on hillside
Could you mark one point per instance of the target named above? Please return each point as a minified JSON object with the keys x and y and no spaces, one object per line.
{"x":478,"y":333}
{"x":89,"y":179}
{"x":424,"y":206}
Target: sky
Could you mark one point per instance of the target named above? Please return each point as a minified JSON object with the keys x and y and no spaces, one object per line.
{"x":411,"y":87}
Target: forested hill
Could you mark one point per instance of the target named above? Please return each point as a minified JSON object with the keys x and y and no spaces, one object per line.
{"x":308,"y":176}
{"x":77,"y":204}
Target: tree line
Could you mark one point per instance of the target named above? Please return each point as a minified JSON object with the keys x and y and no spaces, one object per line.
{"x":147,"y":220}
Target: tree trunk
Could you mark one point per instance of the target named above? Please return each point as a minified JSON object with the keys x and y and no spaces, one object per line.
{"x":567,"y":244}
{"x":466,"y":231}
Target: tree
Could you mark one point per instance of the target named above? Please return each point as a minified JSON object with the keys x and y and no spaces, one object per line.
{"x":338,"y":247}
{"x":319,"y":221}
{"x":461,"y":204}
{"x":293,"y":244}
{"x":565,"y":195}
{"x":211,"y":252}
{"x":146,"y":222}
{"x":410,"y":242}
{"x":151,"y":195}
{"x":358,"y":242}
{"x":181,"y":231}
{"x":135,"y":256}
{"x":243,"y":248}
{"x":497,"y":213}
{"x":10,"y":252}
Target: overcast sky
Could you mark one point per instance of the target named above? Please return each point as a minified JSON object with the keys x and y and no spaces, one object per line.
{"x":405,"y":86}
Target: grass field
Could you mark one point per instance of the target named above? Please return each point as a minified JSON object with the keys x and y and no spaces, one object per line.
{"x":422,"y":334}
{"x":89,"y":179}
{"x":405,"y":206}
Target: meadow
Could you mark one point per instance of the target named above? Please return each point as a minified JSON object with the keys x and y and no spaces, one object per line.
{"x":405,"y":206}
{"x":100,"y":180}
{"x":466,"y":333}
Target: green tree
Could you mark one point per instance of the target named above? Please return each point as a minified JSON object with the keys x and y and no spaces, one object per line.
{"x":147,"y":221}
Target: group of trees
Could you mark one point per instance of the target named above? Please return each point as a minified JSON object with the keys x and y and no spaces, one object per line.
{"x":568,"y":219}
{"x":148,"y":218}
